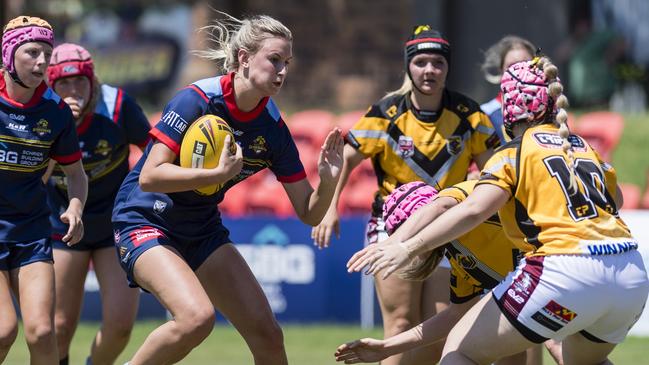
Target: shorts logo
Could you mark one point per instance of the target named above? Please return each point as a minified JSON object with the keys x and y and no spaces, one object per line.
{"x":122,"y":251}
{"x":524,"y":284}
{"x":116,"y":236}
{"x":454,"y":145}
{"x":140,"y":236}
{"x":558,"y":312}
{"x":406,"y":146}
{"x":159,"y":206}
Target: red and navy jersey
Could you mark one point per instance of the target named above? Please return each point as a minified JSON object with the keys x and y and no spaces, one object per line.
{"x":31,"y":134}
{"x":264,"y":139}
{"x":104,"y":138}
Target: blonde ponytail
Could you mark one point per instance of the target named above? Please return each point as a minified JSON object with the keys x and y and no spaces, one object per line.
{"x":555,"y":90}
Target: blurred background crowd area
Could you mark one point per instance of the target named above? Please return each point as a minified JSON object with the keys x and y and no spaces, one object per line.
{"x":350,"y":53}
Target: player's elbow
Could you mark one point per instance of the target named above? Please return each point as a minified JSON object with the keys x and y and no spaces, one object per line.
{"x":147,"y":183}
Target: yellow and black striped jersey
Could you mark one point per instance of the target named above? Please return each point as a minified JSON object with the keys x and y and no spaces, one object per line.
{"x":409,"y":145}
{"x":544,"y":216}
{"x":481,"y":258}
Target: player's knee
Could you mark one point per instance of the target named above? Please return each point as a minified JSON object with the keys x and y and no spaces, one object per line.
{"x":197,"y":323}
{"x":271,"y":337}
{"x":64,"y":329}
{"x":118,"y":330}
{"x":398,"y":325}
{"x":7,"y":337}
{"x":39,"y":334}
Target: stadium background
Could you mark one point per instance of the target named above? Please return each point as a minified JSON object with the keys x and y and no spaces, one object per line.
{"x":347,"y":54}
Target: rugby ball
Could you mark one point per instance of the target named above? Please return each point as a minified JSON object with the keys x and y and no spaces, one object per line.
{"x":202,"y":144}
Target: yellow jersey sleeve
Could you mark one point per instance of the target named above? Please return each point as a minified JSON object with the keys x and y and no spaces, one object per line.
{"x":369,"y":135}
{"x":459,"y":191}
{"x":609,"y":175}
{"x":500,"y":170}
{"x":485,"y":136}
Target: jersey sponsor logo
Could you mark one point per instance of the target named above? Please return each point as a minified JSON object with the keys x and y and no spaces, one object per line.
{"x":558,"y":312}
{"x":392,"y":111}
{"x":462,"y":108}
{"x":142,"y":235}
{"x":610,"y":248}
{"x":454,"y":145}
{"x":159,"y":206}
{"x":258,"y":145}
{"x":554,"y":141}
{"x":175,"y":121}
{"x":8,"y":156}
{"x":237,"y":132}
{"x":18,"y":117}
{"x":42,"y":127}
{"x":17,"y":127}
{"x":406,"y":146}
{"x":103,"y":148}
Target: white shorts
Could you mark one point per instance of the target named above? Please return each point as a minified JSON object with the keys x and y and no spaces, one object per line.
{"x":376,"y":232}
{"x":558,"y":295}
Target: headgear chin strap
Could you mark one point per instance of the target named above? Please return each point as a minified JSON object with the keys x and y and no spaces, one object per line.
{"x":33,"y":30}
{"x":424,"y":39}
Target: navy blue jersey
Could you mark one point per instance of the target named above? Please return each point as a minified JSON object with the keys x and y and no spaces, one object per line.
{"x":264,"y":139}
{"x":31,"y":134}
{"x":104,"y":138}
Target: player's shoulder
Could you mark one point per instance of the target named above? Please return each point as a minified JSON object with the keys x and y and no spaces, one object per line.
{"x":461,"y":104}
{"x":388,"y":107}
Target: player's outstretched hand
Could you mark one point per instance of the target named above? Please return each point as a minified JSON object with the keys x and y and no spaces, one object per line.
{"x":363,"y":350}
{"x":387,"y":255}
{"x":321,"y":234}
{"x":330,"y":161}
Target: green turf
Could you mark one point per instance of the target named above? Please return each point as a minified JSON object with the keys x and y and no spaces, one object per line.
{"x":630,"y":158}
{"x":312,"y":345}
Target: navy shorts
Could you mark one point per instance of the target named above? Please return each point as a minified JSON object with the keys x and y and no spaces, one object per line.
{"x":16,"y":254}
{"x":133,"y":241}
{"x":83,"y":245}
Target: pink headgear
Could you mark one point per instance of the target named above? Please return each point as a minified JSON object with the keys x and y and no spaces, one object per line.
{"x":525,"y":94}
{"x":405,"y":200}
{"x":14,"y":38}
{"x":68,"y":60}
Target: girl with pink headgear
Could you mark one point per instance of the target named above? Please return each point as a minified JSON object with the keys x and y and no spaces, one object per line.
{"x":107,"y":121}
{"x":479,"y":260}
{"x":582,"y":279}
{"x":35,"y":126}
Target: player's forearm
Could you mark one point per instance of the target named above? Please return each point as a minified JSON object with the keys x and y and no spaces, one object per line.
{"x":320,"y":201}
{"x":432,"y":330}
{"x":170,"y":178}
{"x":423,"y":217}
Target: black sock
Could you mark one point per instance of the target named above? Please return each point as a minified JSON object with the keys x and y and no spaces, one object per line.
{"x":64,"y":361}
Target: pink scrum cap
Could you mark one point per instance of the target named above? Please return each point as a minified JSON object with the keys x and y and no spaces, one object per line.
{"x":68,"y":60}
{"x":405,"y":200}
{"x":525,"y":94}
{"x":28,"y":29}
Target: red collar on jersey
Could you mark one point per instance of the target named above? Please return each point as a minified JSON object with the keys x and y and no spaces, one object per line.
{"x":33,"y":101}
{"x":227,"y":86}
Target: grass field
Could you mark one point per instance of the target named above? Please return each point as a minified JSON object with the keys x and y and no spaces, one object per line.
{"x":630,"y":157}
{"x":306,"y":345}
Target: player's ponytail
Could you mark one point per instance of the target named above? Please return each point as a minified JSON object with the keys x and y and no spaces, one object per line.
{"x":231,"y":35}
{"x":555,"y":90}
